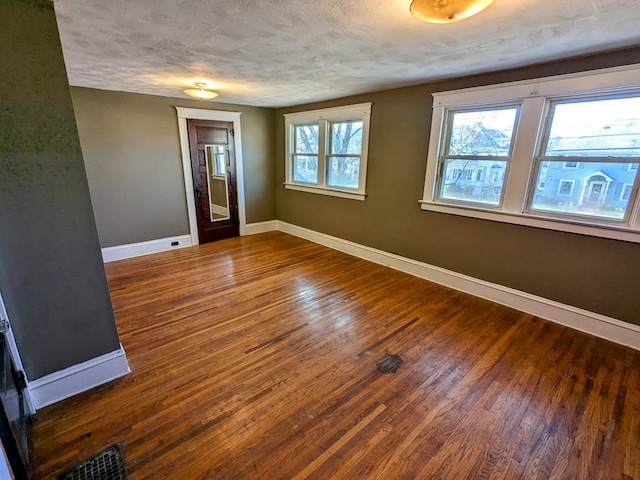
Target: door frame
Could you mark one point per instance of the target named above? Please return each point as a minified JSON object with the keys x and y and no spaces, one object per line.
{"x":12,"y":346}
{"x":222,"y":116}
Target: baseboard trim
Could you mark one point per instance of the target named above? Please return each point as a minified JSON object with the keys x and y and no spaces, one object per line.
{"x":78,"y":378}
{"x":260,"y":227}
{"x":583,"y":320}
{"x":120,"y":252}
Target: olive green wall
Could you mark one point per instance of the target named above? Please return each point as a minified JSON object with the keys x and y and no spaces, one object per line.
{"x":131,"y":149}
{"x":595,"y":274}
{"x":51,"y":272}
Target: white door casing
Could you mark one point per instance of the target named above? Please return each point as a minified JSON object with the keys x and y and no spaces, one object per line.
{"x":223,"y":116}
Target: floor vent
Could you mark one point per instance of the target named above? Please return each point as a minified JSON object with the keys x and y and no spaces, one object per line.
{"x":106,"y":465}
{"x":389,"y":363}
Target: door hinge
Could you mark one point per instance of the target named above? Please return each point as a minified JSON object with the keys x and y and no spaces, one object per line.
{"x":21,"y":380}
{"x":4,"y":325}
{"x":233,"y":132}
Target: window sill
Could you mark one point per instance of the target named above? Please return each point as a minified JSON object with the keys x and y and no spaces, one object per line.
{"x":604,"y":231}
{"x":326,"y":191}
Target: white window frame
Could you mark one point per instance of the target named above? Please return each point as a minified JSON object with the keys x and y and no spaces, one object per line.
{"x":572,"y":182}
{"x":324,"y":118}
{"x":568,"y":167}
{"x":535,"y":96}
{"x":624,"y":189}
{"x":474,"y":158}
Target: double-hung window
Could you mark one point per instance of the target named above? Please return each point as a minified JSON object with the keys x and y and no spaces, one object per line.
{"x":559,"y":153}
{"x":326,"y":150}
{"x":476,"y":155}
{"x":600,"y":138}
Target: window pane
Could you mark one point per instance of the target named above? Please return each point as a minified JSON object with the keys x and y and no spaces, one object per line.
{"x":306,"y":138}
{"x":344,"y":172}
{"x":595,"y":189}
{"x":220,"y":167}
{"x":483,"y":132}
{"x":478,"y":181}
{"x":597,"y":128}
{"x":305,"y":168}
{"x":346,"y":138}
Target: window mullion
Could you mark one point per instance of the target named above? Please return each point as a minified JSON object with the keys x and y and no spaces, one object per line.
{"x":322,"y":152}
{"x":520,"y":165}
{"x":289,"y":152}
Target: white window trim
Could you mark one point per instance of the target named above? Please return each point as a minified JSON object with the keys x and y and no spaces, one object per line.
{"x":564,"y":165}
{"x":361,"y":111}
{"x":533,"y":94}
{"x":572,"y":182}
{"x":624,"y":188}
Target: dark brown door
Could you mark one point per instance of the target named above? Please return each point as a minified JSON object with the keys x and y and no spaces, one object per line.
{"x":214,"y":179}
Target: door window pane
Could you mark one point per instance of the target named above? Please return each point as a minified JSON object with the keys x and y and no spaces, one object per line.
{"x":482,"y":132}
{"x":595,"y":128}
{"x":478,"y":181}
{"x":595,"y":189}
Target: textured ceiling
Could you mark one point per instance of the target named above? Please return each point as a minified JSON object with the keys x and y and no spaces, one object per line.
{"x":288,"y":52}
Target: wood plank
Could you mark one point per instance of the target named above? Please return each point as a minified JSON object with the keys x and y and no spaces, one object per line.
{"x":255,"y":357}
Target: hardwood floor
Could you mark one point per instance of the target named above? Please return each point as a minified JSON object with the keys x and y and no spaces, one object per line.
{"x":255,"y":358}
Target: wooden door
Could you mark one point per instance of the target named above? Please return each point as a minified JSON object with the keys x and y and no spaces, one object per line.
{"x":214,"y":179}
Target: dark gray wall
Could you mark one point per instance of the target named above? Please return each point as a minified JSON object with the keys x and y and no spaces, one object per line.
{"x":596,"y":274}
{"x":51,"y":272}
{"x":131,"y":149}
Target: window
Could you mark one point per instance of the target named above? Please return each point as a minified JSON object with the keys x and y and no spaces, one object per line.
{"x":566,"y":187}
{"x":326,"y":150}
{"x":559,"y":153}
{"x":477,"y":142}
{"x":604,"y":133}
{"x":305,"y":154}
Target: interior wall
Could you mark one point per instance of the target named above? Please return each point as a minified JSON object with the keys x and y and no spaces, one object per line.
{"x":595,"y":274}
{"x":131,"y":149}
{"x":52,"y":276}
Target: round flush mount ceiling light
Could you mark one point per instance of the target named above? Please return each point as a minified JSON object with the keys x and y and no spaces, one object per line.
{"x":201,"y":92}
{"x":446,"y":11}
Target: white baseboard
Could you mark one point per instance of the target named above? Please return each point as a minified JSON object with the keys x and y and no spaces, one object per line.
{"x":589,"y":322}
{"x":79,"y":378}
{"x":260,"y":227}
{"x":120,"y":252}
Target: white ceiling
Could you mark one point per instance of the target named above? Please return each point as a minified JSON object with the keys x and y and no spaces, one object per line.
{"x":287,"y":52}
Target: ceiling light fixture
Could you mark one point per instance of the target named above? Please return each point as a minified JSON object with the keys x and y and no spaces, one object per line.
{"x":446,"y":11}
{"x":200,"y":92}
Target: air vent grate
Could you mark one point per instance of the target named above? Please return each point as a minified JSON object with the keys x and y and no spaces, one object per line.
{"x":389,"y":363}
{"x":106,"y":465}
